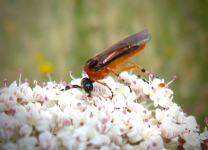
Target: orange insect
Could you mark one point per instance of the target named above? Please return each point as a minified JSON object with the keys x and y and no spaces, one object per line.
{"x":113,"y":59}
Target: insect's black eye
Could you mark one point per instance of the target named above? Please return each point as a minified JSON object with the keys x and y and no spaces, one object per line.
{"x":87,"y":85}
{"x":92,"y":64}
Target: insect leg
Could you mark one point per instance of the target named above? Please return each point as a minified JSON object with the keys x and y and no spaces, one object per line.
{"x":103,"y":83}
{"x":113,"y":72}
{"x":135,"y":66}
{"x":140,"y":69}
{"x":120,"y":66}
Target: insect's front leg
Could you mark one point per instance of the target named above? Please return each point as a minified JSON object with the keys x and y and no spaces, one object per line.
{"x":103,"y":83}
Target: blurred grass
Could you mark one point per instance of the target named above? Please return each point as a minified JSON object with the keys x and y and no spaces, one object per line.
{"x":58,"y":36}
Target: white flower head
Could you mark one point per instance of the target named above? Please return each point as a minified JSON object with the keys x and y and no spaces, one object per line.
{"x":50,"y":117}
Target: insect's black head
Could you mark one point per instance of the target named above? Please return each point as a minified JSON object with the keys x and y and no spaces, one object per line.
{"x":87,"y":85}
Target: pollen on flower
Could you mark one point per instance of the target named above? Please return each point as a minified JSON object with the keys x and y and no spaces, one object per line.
{"x":124,"y":111}
{"x":49,"y":76}
{"x":35,"y":82}
{"x":96,"y":89}
{"x":84,"y":73}
{"x":161,"y":85}
{"x":84,"y":96}
{"x":61,"y":79}
{"x":11,"y":98}
{"x":20,"y":71}
{"x":154,"y":144}
{"x":46,"y":98}
{"x":174,"y":78}
{"x":5,"y":80}
{"x":151,"y":76}
{"x":26,"y":80}
{"x":146,"y":120}
{"x":70,"y":73}
{"x":70,"y":85}
{"x":43,"y":84}
{"x":104,"y":120}
{"x":206,"y":120}
{"x":198,"y":126}
{"x":79,"y":104}
{"x":64,"y":82}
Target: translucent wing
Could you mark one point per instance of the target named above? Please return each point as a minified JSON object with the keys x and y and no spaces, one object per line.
{"x":123,"y":47}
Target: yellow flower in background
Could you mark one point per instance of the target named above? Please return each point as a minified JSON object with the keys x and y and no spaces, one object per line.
{"x":46,"y":67}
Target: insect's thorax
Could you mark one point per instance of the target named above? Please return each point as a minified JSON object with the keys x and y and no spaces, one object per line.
{"x":96,"y":74}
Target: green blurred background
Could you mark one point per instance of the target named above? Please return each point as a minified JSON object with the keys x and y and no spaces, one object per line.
{"x":58,"y":36}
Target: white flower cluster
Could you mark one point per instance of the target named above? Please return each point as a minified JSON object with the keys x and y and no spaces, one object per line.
{"x":141,"y":115}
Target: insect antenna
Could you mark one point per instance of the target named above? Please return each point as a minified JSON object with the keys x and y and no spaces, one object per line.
{"x":70,"y":87}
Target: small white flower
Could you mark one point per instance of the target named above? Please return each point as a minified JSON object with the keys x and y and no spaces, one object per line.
{"x":47,"y":141}
{"x":119,"y":100}
{"x":7,"y":101}
{"x":9,"y":146}
{"x":173,"y":110}
{"x":191,"y":123}
{"x":129,"y":147}
{"x":68,"y":100}
{"x":25,"y":131}
{"x":114,"y":147}
{"x":204,"y":135}
{"x":125,"y":76}
{"x":155,"y":143}
{"x":160,"y":115}
{"x":11,"y":89}
{"x":28,"y":143}
{"x":24,"y":92}
{"x":32,"y":118}
{"x":192,"y":140}
{"x":158,"y":92}
{"x":7,"y":126}
{"x":169,"y":129}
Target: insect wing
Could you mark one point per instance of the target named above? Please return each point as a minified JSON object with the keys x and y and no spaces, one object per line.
{"x":123,"y":46}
